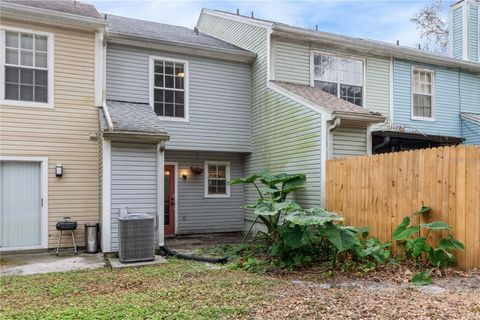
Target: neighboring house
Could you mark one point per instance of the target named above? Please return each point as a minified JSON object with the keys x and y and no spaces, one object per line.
{"x":176,"y":127}
{"x":50,"y":84}
{"x":428,"y":99}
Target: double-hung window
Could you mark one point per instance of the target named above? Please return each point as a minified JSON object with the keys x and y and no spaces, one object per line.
{"x":26,"y":68}
{"x":342,"y":77}
{"x":422,"y":94}
{"x":217,"y":175}
{"x":169,"y":88}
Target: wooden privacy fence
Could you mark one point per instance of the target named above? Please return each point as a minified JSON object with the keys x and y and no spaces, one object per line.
{"x":378,"y":191}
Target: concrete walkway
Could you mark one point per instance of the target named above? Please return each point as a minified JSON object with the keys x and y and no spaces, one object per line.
{"x":37,"y":263}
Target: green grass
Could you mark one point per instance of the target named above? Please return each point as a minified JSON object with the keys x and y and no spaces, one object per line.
{"x":176,"y":290}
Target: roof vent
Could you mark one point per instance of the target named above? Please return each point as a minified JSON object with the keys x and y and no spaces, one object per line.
{"x":238,"y":12}
{"x":252,"y":15}
{"x":195,"y":29}
{"x":398,"y":42}
{"x":316,"y":27}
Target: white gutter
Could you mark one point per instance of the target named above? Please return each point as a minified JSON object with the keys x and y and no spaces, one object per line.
{"x":107,"y":116}
{"x":371,"y":47}
{"x":12,"y":10}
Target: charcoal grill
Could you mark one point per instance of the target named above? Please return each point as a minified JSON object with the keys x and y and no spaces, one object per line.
{"x":66,"y":225}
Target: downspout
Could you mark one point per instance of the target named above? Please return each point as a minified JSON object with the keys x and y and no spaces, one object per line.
{"x":386,"y":141}
{"x":336,"y":123}
{"x":107,"y":116}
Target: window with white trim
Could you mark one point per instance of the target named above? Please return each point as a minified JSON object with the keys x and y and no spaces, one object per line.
{"x":422,"y":93}
{"x":342,"y":77}
{"x":26,"y":67}
{"x":217,"y":175}
{"x":169,"y":88}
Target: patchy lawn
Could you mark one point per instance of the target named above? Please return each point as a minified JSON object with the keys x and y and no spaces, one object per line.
{"x":189,"y":290}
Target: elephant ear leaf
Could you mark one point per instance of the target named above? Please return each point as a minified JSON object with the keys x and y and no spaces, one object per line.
{"x":436,"y":225}
{"x":421,"y":279}
{"x":404,"y":231}
{"x":423,"y":210}
{"x":249,"y":179}
{"x":309,"y":217}
{"x":342,"y":238}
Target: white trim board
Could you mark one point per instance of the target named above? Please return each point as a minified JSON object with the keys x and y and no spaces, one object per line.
{"x":106,"y":241}
{"x":44,"y":194}
{"x":50,"y":69}
{"x":160,"y":194}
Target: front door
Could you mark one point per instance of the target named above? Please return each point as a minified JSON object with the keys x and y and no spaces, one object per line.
{"x":20,"y":204}
{"x":169,"y":199}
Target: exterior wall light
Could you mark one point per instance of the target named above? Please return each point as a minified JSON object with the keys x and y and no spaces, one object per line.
{"x":59,"y":170}
{"x":184,"y":175}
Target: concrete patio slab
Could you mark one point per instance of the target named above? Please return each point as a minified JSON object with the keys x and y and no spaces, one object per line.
{"x":46,"y":262}
{"x":116,"y":264}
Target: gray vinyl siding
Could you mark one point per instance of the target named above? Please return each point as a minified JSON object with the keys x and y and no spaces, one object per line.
{"x":219,"y":98}
{"x":196,"y":213}
{"x":292,"y":62}
{"x":134,"y":182}
{"x":286,"y":135}
{"x":349,"y":141}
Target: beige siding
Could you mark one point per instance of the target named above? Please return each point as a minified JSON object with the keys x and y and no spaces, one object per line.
{"x":61,"y":133}
{"x":349,"y":141}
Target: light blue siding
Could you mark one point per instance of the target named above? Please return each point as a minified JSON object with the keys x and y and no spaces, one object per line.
{"x":446,"y":106}
{"x":292,"y":62}
{"x":474,"y":32}
{"x":471,"y":132}
{"x":219,"y":98}
{"x":457,"y":29}
{"x":470,"y":92}
{"x":197,"y":214}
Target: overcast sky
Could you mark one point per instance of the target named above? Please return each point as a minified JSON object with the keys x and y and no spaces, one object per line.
{"x":386,"y":20}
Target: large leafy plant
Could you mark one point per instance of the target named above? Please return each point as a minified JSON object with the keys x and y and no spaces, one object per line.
{"x":416,"y":246}
{"x":272,"y":204}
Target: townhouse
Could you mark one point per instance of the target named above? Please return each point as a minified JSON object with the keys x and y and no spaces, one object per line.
{"x":102,"y":115}
{"x":382,"y":97}
{"x":50,"y":79}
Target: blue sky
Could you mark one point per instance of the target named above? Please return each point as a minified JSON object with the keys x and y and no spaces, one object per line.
{"x":386,"y":20}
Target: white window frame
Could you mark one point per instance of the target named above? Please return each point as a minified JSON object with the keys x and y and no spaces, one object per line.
{"x":151,"y":86}
{"x":344,"y":56}
{"x":50,"y":69}
{"x":412,"y":85}
{"x":227,"y":178}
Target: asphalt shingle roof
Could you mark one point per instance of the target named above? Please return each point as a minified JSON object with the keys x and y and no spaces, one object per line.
{"x":131,"y":117}
{"x":165,"y":32}
{"x":323,"y":99}
{"x":65,"y":6}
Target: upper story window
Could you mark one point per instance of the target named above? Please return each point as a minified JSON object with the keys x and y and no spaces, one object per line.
{"x":27,"y":68}
{"x":169,"y":78}
{"x":339,"y":76}
{"x":422,"y":94}
{"x":217,"y":175}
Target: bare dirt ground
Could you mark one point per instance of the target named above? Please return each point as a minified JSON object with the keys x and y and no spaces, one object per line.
{"x":383,"y":294}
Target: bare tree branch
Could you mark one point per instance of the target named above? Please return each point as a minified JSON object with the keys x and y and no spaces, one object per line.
{"x":433,"y":27}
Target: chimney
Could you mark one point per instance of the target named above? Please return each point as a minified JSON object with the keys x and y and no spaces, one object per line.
{"x":464,"y":32}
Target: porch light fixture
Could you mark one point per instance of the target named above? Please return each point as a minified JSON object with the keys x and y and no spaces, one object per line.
{"x":184,"y":175}
{"x":59,"y":170}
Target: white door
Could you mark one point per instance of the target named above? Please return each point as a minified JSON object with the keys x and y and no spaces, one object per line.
{"x":20,"y":204}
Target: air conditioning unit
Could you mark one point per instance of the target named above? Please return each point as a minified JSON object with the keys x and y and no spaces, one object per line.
{"x":136,"y":237}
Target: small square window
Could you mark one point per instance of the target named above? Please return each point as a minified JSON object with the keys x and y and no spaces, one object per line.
{"x":217,"y":175}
